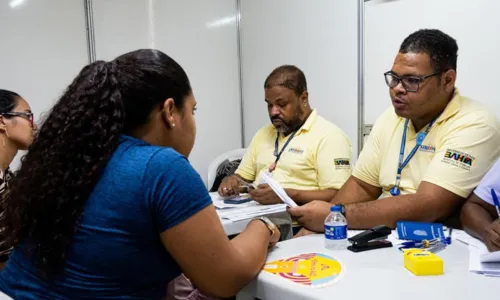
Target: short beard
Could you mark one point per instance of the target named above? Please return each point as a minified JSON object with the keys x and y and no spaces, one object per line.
{"x":293,"y":124}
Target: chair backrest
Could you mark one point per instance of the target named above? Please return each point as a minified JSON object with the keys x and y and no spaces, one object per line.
{"x":212,"y":168}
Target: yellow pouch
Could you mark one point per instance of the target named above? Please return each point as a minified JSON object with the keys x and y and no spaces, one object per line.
{"x":422,"y":262}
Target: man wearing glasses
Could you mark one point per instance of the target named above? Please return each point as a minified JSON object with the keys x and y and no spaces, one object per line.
{"x":425,"y":154}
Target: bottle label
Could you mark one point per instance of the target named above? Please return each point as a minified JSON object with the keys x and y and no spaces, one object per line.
{"x":336,"y":232}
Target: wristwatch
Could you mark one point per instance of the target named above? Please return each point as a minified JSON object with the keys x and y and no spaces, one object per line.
{"x":342,"y":209}
{"x":269,"y":224}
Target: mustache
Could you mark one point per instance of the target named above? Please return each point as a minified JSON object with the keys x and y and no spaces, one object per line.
{"x":277,"y":118}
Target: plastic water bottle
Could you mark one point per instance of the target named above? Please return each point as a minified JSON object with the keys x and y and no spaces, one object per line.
{"x":335,"y":229}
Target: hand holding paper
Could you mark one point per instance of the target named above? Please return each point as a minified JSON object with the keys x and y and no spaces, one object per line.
{"x":265,"y":195}
{"x":278,"y":189}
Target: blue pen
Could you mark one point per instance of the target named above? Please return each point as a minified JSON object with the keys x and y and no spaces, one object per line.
{"x":495,"y":200}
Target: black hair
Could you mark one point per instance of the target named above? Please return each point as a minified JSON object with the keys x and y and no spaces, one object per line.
{"x":441,"y":48}
{"x":8,"y":100}
{"x":287,"y":76}
{"x":74,"y":144}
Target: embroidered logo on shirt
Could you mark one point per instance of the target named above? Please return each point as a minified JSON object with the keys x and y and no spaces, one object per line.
{"x":458,"y":158}
{"x":342,"y":163}
{"x":427,"y":148}
{"x":296,"y":150}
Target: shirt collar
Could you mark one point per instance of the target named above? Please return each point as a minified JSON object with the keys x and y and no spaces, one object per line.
{"x":309,"y":122}
{"x":452,"y":108}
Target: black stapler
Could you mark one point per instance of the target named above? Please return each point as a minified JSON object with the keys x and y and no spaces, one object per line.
{"x":371,"y":239}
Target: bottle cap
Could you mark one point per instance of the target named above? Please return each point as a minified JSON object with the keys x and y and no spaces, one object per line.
{"x":336,"y":208}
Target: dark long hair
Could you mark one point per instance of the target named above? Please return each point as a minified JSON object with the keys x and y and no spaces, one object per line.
{"x":75,"y":143}
{"x":8,"y":101}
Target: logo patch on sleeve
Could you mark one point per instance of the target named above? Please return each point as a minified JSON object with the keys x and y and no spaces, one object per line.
{"x":342,"y":163}
{"x":459,"y":159}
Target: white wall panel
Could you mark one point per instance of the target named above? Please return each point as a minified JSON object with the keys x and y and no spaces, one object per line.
{"x":199,"y":35}
{"x":43,"y":47}
{"x":320,"y":37}
{"x":474,"y":24}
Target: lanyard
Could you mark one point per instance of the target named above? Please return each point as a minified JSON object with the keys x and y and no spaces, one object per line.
{"x":402,"y":164}
{"x":278,"y":154}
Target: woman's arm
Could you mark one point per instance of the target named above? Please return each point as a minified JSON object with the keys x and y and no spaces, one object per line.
{"x":216,"y":265}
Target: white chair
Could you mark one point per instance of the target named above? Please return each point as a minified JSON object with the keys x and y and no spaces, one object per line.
{"x":212,"y":168}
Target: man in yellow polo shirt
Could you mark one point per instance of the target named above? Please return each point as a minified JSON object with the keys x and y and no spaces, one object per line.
{"x":424,"y":155}
{"x":309,"y":156}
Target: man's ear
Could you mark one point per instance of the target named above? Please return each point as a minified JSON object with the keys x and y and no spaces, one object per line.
{"x":304,"y":98}
{"x":167,"y":112}
{"x":449,"y":78}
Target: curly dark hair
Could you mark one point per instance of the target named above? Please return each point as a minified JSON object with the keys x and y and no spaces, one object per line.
{"x":441,"y":48}
{"x":74,"y":144}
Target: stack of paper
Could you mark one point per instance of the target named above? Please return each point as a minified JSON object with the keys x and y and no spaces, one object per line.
{"x":278,"y":189}
{"x":248,"y":210}
{"x":481,"y":260}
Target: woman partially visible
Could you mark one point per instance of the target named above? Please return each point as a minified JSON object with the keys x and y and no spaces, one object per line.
{"x":16,"y":132}
{"x":106,"y":205}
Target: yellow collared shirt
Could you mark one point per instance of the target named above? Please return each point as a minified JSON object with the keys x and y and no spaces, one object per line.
{"x":461,"y":146}
{"x":317,"y":158}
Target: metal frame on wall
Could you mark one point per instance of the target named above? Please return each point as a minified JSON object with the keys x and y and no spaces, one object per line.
{"x":361,"y":73}
{"x":89,"y":26}
{"x":240,"y":70}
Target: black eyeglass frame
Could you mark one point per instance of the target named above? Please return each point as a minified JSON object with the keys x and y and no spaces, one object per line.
{"x":27,"y":115}
{"x":401,"y":79}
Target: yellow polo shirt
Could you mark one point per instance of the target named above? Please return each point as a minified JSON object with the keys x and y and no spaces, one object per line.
{"x":461,"y":146}
{"x":318,"y":157}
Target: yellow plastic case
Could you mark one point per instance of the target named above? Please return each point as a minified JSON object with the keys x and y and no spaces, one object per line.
{"x":422,"y":262}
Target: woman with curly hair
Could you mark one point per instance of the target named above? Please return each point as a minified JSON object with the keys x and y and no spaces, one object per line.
{"x":16,"y":132}
{"x":106,"y":205}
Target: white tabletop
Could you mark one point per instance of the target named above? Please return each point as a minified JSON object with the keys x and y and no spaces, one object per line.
{"x":376,"y":274}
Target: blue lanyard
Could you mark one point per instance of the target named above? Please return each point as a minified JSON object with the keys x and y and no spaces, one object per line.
{"x":278,"y":154}
{"x":395,"y":191}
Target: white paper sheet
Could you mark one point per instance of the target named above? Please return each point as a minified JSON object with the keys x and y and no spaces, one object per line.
{"x":484,"y":255}
{"x":476,"y":265}
{"x":237,"y":212}
{"x":218,"y":201}
{"x":278,"y":189}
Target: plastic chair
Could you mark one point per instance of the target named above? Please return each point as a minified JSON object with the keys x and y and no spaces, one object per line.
{"x":212,"y":168}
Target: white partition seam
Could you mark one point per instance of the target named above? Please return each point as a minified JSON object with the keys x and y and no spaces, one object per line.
{"x":361,"y":73}
{"x":240,"y":70}
{"x":89,"y":26}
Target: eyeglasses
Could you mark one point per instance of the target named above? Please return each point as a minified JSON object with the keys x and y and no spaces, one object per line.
{"x":410,"y":83}
{"x":26,"y":115}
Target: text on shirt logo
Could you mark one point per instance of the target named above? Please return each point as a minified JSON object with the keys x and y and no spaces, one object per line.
{"x":459,"y":159}
{"x":427,"y":148}
{"x":296,"y":151}
{"x":342,"y":163}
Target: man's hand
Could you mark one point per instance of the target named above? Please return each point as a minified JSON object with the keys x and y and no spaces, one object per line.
{"x":229,"y":187}
{"x":264,"y":194}
{"x":303,"y":232}
{"x":492,"y":236}
{"x":312,"y":215}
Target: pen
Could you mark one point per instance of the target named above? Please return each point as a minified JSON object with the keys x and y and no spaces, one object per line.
{"x":495,"y":201}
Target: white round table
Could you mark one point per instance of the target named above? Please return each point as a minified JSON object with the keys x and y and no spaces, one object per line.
{"x":376,"y":274}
